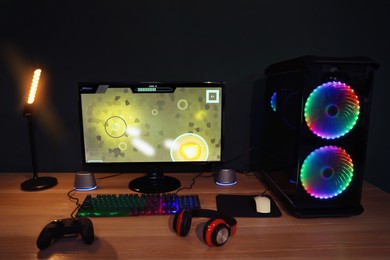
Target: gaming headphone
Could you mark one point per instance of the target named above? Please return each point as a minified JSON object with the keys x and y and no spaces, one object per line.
{"x":216,"y":230}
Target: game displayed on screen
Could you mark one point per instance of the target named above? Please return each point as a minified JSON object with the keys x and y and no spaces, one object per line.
{"x":120,"y":125}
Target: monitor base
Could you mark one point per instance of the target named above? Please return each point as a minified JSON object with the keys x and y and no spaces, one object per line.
{"x":154,"y":183}
{"x":39,"y":183}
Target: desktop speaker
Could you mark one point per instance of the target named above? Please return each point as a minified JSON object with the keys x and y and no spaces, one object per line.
{"x":84,"y":181}
{"x":314,"y":145}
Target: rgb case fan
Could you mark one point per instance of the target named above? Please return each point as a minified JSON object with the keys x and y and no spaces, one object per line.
{"x":326,"y":172}
{"x":332,"y":110}
{"x":315,"y":141}
{"x":273,"y":101}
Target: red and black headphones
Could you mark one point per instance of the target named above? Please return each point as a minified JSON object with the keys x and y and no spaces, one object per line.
{"x":216,"y":231}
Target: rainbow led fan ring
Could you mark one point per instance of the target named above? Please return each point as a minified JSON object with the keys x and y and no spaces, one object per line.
{"x":332,"y":110}
{"x":273,"y":101}
{"x":326,"y":172}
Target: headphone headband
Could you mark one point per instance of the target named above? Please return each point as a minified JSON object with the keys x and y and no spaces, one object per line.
{"x":208,"y":213}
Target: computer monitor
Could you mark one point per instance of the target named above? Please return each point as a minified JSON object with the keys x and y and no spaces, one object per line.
{"x":152,"y":128}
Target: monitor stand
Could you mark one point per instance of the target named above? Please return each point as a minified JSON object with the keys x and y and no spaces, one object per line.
{"x":154,"y":182}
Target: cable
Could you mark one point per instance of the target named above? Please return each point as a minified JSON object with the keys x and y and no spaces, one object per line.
{"x":109,"y":176}
{"x":239,"y":156}
{"x":262,"y":194}
{"x":246,"y":173}
{"x":193,"y":182}
{"x":234,"y":158}
{"x":74,"y":200}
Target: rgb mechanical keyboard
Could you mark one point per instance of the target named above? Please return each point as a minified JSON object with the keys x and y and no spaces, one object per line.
{"x":112,"y":205}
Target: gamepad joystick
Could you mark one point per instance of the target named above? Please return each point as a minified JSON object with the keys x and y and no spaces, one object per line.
{"x":61,"y":227}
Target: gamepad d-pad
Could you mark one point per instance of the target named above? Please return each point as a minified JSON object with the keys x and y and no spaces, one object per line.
{"x":62,"y":227}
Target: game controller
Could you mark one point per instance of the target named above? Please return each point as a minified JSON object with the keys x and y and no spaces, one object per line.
{"x":62,"y":227}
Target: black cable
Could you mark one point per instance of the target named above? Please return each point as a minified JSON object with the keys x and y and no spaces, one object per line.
{"x":223,"y":164}
{"x":246,"y":173}
{"x":74,"y":200}
{"x":193,"y":182}
{"x":109,"y":176}
{"x":238,"y":156}
{"x":262,"y":194}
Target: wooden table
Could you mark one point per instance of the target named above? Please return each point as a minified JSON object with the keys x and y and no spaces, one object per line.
{"x":24,"y":214}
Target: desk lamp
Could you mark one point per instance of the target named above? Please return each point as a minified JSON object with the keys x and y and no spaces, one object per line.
{"x":36,"y":183}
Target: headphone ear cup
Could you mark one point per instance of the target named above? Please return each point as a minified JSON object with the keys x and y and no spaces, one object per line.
{"x":216,"y":232}
{"x":182,"y":223}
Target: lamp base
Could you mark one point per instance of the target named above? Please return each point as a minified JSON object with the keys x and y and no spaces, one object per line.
{"x":39,"y":183}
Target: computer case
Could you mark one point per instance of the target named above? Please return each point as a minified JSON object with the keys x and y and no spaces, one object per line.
{"x":316,"y":128}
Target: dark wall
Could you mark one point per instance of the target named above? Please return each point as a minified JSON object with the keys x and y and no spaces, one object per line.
{"x":174,"y":40}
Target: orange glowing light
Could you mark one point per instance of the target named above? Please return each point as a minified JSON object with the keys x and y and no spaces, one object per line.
{"x":34,"y":86}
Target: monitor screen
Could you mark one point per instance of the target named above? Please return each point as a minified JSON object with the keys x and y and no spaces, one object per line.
{"x":151,"y":127}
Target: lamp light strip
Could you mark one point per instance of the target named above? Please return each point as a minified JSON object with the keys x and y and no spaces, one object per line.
{"x":34,"y":86}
